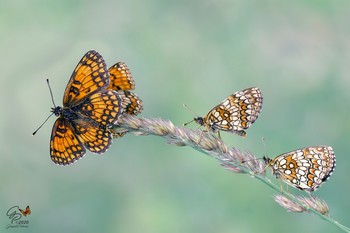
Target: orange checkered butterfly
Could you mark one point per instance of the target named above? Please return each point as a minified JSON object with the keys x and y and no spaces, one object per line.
{"x":26,"y":211}
{"x":304,"y":169}
{"x":122,"y":81}
{"x":89,"y":111}
{"x":234,"y":114}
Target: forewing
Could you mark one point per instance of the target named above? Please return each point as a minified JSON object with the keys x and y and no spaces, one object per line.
{"x":231,"y":115}
{"x":121,"y":78}
{"x":218,"y":119}
{"x":89,"y":76}
{"x":103,"y":107}
{"x":284,"y":167}
{"x":65,"y":147}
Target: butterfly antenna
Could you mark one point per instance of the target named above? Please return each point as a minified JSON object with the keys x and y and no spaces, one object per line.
{"x":185,"y":106}
{"x":53,"y":101}
{"x":48,"y":84}
{"x":263,"y":140}
{"x":188,"y":108}
{"x":42,"y":124}
{"x":188,"y":122}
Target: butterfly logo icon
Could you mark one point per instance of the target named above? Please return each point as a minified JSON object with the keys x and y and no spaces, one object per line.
{"x":25,"y":212}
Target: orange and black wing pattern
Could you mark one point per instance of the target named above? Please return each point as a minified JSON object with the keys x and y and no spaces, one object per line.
{"x":26,"y":211}
{"x":131,"y":103}
{"x":120,"y":77}
{"x":122,"y":82}
{"x":65,"y":147}
{"x":304,"y":169}
{"x":103,"y":107}
{"x":90,"y":75}
{"x":236,"y":113}
{"x":95,"y":139}
{"x":99,"y":112}
{"x":89,"y":110}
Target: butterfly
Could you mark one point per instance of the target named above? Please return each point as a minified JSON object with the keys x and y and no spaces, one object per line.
{"x":304,"y":169}
{"x":25,"y":212}
{"x":122,"y":81}
{"x":234,"y":114}
{"x":89,"y":111}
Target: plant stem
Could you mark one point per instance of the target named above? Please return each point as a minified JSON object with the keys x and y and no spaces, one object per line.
{"x":231,"y":158}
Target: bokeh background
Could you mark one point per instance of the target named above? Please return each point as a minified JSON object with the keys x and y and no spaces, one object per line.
{"x":193,"y":52}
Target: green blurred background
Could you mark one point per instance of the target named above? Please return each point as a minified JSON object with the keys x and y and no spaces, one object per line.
{"x":193,"y":52}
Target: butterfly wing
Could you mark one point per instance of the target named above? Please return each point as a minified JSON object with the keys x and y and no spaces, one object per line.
{"x":25,"y":212}
{"x":231,"y":115}
{"x":122,"y":81}
{"x":322,"y":163}
{"x":235,"y":113}
{"x":131,"y":103}
{"x":305,"y":169}
{"x":65,"y":147}
{"x":98,"y":113}
{"x":218,"y":119}
{"x":256,"y":99}
{"x":284,"y":167}
{"x":323,"y":159}
{"x":94,"y":138}
{"x":103,"y":107}
{"x":121,"y":78}
{"x":89,"y":76}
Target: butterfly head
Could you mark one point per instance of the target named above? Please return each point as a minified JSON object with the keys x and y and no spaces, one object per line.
{"x":57,"y":111}
{"x":199,"y":120}
{"x":267,"y":161}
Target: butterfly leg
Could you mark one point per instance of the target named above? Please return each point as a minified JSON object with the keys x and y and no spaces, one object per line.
{"x":219,"y":135}
{"x":200,"y":136}
{"x":281,"y":186}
